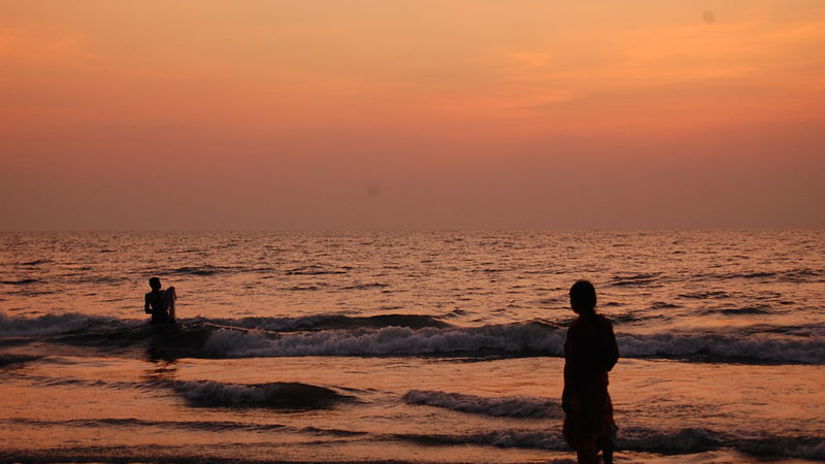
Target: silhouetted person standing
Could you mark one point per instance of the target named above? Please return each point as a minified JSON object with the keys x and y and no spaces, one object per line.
{"x":160,"y":303}
{"x":590,"y":351}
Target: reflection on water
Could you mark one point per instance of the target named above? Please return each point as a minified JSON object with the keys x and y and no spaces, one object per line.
{"x":440,"y":347}
{"x":160,"y":371}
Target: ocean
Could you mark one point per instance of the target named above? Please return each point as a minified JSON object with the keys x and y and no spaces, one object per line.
{"x":407,"y":347}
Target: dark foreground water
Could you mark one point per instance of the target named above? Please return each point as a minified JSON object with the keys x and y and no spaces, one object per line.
{"x":421,"y":347}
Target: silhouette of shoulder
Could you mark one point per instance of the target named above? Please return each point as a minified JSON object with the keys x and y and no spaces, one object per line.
{"x":592,"y":338}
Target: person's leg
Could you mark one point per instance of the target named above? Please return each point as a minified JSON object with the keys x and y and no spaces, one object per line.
{"x":586,"y":452}
{"x":607,"y":454}
{"x":606,"y":441}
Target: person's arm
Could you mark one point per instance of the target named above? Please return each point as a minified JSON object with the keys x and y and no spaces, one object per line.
{"x":146,"y":307}
{"x":611,"y":347}
{"x":568,"y":374}
{"x":565,"y":396}
{"x":172,"y":296}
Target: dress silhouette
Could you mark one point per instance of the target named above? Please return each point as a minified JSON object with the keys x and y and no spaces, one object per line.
{"x":590,"y":352}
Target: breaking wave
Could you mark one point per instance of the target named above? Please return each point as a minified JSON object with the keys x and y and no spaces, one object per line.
{"x":530,"y":338}
{"x":403,"y":335}
{"x":723,"y":348}
{"x":507,"y":406}
{"x":277,"y":395}
{"x":49,"y":324}
{"x":684,"y":441}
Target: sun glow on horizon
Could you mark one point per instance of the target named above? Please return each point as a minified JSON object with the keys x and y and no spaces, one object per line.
{"x":458,"y":95}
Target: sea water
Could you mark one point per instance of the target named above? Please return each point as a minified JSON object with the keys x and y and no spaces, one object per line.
{"x":408,"y":347}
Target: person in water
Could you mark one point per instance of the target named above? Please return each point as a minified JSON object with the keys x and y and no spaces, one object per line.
{"x":160,"y":303}
{"x":590,"y":352}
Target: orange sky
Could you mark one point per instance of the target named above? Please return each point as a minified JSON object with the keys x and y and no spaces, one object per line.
{"x":417,"y":114}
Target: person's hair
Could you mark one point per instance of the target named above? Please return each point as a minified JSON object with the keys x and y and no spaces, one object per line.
{"x":583,"y":297}
{"x":154,"y":282}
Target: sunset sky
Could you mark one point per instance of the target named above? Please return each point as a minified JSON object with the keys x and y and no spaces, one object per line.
{"x":401,"y":114}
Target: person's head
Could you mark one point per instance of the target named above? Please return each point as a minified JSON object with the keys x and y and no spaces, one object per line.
{"x":583,"y":297}
{"x":154,"y":282}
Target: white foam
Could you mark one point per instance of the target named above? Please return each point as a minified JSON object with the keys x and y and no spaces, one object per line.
{"x":47,"y":325}
{"x":391,"y":341}
{"x":717,"y":346}
{"x":514,"y":339}
{"x":531,"y":338}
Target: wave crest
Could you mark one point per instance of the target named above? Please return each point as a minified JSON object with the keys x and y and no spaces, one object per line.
{"x":528,"y":339}
{"x":517,"y":338}
{"x":49,"y":324}
{"x":683,"y":441}
{"x":278,"y":395}
{"x":405,"y":335}
{"x":723,"y":347}
{"x":507,"y":406}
